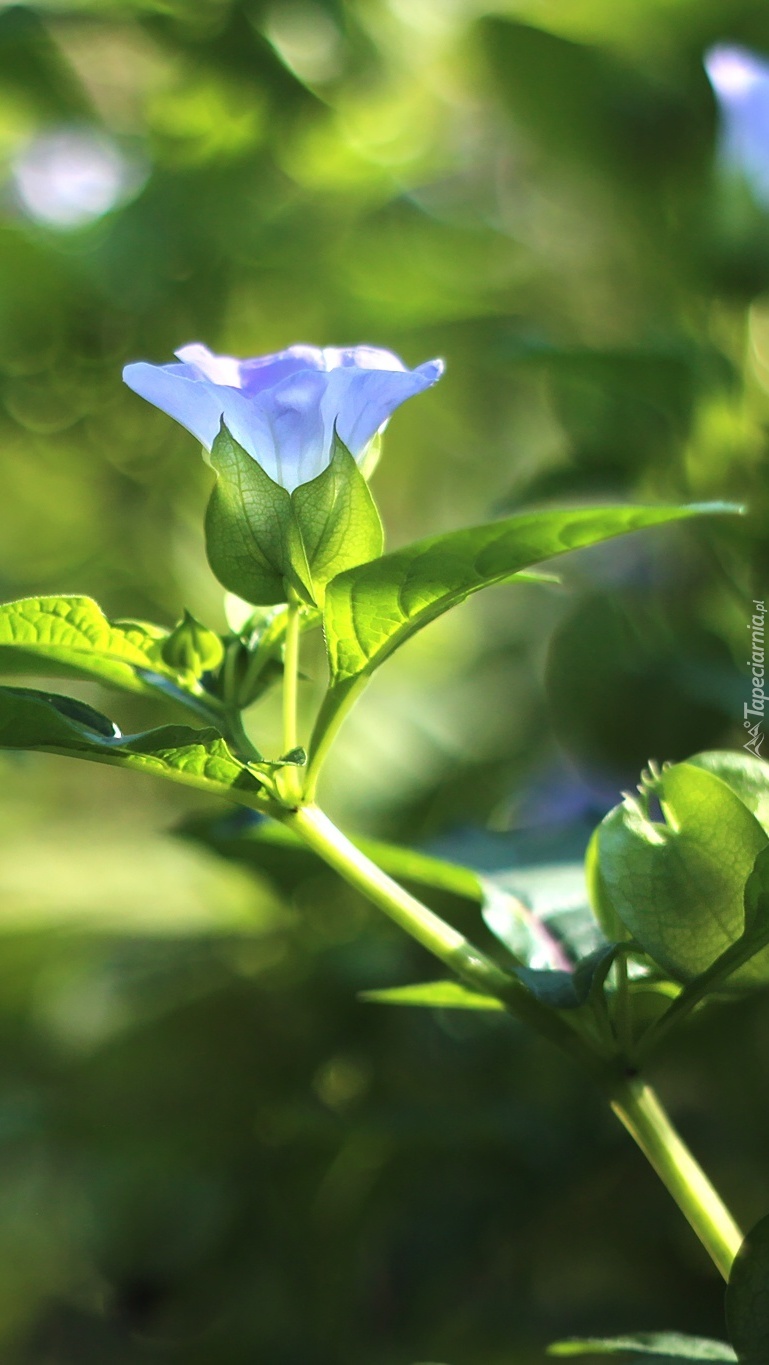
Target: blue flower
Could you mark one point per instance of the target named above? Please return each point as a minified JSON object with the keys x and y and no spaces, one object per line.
{"x":740,"y":81}
{"x":283,"y":408}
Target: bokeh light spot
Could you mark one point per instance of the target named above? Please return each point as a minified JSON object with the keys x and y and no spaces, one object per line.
{"x":70,"y":177}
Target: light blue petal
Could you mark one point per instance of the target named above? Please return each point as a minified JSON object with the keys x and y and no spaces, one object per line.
{"x":249,"y":425}
{"x":362,"y":358}
{"x":283,"y":408}
{"x":251,"y":376}
{"x":200,"y":405}
{"x":361,"y":400}
{"x":175,"y":390}
{"x":266,"y":371}
{"x":301,"y":443}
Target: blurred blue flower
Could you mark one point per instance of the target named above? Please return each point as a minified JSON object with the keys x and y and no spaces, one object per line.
{"x":283,"y":408}
{"x":740,"y":81}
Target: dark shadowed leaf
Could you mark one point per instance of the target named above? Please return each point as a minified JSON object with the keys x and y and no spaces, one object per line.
{"x":195,"y":757}
{"x":747,"y":1298}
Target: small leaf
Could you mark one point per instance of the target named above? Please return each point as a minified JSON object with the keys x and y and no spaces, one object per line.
{"x":338,"y":520}
{"x":444,"y":995}
{"x":70,"y":637}
{"x":569,"y":990}
{"x":296,"y":758}
{"x":373,"y":609}
{"x":747,"y":1298}
{"x":195,"y":757}
{"x":249,"y":525}
{"x":664,"y":1346}
{"x":678,"y":885}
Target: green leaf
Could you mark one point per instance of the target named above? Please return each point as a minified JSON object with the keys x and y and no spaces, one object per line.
{"x":195,"y":757}
{"x":677,"y":885}
{"x":373,"y":609}
{"x":665,"y":1346}
{"x":720,"y":974}
{"x":598,"y":892}
{"x":541,"y":914}
{"x":70,"y":637}
{"x":444,"y":995}
{"x":250,"y":528}
{"x":747,"y":776}
{"x":542,"y":917}
{"x":337,"y":519}
{"x":747,"y":1297}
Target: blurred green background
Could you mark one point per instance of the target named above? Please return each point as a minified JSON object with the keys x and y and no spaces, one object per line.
{"x":210,"y":1150}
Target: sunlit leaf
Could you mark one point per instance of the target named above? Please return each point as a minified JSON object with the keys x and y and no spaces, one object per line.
{"x":70,"y":637}
{"x":444,"y":995}
{"x":373,"y":609}
{"x":662,"y":1346}
{"x":747,"y":776}
{"x":262,"y":539}
{"x":677,"y":884}
{"x":726,"y":968}
{"x":338,"y":520}
{"x":248,"y":525}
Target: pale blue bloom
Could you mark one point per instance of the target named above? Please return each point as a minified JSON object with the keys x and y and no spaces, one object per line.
{"x":283,"y":408}
{"x":740,"y":81}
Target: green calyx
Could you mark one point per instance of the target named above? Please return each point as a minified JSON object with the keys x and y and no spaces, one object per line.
{"x":669,"y":867}
{"x":268,"y":545}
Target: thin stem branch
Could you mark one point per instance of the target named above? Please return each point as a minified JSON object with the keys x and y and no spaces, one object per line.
{"x":641,"y":1113}
{"x":291,"y":678}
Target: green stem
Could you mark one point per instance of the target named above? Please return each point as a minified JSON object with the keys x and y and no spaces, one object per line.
{"x":333,"y":712}
{"x":714,"y":976}
{"x":634,"y":1102}
{"x":291,"y":678}
{"x":638,"y":1108}
{"x":440,"y":938}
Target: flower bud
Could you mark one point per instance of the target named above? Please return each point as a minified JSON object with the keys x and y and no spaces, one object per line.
{"x":192,"y":647}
